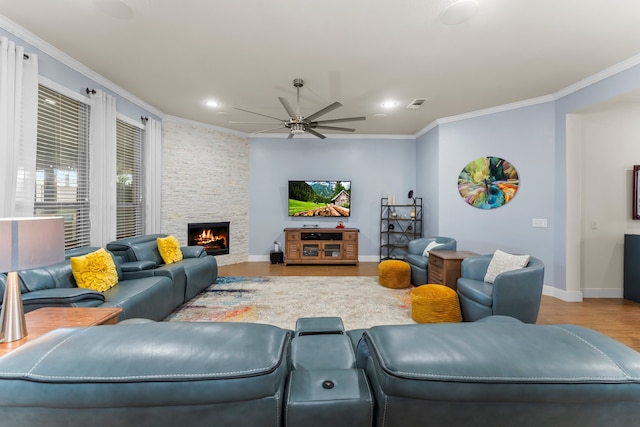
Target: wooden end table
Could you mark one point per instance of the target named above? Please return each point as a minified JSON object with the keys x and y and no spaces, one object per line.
{"x":444,"y":267}
{"x":44,"y":320}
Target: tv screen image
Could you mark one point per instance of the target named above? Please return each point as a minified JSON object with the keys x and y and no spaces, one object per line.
{"x":319,"y":198}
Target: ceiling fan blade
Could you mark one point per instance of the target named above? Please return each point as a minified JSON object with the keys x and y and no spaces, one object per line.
{"x":334,"y":128}
{"x":259,"y":114}
{"x":346,"y":119}
{"x":252,"y":123}
{"x":318,"y":134}
{"x":267,"y":130}
{"x":287,"y":107}
{"x":324,"y":111}
{"x":290,"y":135}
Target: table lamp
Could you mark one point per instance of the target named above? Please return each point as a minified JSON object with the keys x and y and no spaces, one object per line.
{"x":25,"y":243}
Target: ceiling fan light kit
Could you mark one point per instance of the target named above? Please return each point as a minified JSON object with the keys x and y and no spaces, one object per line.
{"x":299,"y":124}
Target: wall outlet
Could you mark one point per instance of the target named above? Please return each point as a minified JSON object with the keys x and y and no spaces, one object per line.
{"x":539,"y":222}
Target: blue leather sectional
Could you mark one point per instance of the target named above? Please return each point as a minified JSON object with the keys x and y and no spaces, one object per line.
{"x":147,"y":288}
{"x":496,"y":372}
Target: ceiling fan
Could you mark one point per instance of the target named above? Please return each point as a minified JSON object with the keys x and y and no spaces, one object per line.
{"x":298,"y":124}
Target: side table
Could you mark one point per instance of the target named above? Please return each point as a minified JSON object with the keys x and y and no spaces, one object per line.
{"x":44,"y":320}
{"x":444,"y":267}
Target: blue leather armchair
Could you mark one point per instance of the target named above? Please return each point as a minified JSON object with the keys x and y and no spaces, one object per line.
{"x":514,"y":293}
{"x":418,"y":262}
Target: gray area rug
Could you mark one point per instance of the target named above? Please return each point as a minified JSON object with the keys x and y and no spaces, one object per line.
{"x":360,"y":301}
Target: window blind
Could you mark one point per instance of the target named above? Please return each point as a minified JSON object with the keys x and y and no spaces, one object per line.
{"x":62,"y":164}
{"x":130,"y":189}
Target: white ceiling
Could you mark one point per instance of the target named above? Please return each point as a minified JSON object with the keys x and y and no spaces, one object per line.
{"x":174,"y":55}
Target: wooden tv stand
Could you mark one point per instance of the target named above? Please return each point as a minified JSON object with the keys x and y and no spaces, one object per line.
{"x":321,"y":246}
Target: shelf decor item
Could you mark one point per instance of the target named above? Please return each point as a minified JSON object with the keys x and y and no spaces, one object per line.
{"x":488,"y":182}
{"x":25,"y":243}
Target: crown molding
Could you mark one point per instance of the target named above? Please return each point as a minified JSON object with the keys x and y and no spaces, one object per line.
{"x":67,"y":60}
{"x":595,"y":78}
{"x":486,"y":112}
{"x":332,"y":136}
{"x":55,"y":53}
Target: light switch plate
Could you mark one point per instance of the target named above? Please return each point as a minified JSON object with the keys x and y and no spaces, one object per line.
{"x":539,"y":222}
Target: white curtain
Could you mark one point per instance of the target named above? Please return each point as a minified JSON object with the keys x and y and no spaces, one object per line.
{"x":152,"y":154}
{"x":102,"y":167}
{"x":18,"y":129}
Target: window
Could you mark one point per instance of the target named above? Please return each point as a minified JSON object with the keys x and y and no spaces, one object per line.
{"x":130,"y":190}
{"x":62,"y":164}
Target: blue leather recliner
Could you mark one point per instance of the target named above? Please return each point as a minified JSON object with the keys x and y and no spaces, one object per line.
{"x":514,"y":293}
{"x":418,"y":262}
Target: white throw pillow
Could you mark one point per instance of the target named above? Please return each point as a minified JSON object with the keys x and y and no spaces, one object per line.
{"x":502,"y":262}
{"x":430,"y":246}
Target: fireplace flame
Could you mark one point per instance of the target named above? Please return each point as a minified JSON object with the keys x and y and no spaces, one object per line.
{"x":208,"y":238}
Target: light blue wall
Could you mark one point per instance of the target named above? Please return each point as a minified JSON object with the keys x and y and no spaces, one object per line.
{"x":428,"y":179}
{"x":375,"y":168}
{"x":523,"y":137}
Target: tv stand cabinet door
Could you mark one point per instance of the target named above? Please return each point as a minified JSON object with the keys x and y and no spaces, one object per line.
{"x":292,"y":246}
{"x":350,"y":240}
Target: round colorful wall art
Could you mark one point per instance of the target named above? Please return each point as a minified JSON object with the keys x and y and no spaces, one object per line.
{"x":488,"y":182}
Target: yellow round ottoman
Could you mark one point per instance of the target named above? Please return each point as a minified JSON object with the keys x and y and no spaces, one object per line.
{"x":395,"y":274}
{"x":435,"y":304}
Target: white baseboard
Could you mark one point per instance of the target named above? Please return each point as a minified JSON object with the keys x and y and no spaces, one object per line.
{"x":603,"y":293}
{"x":569,"y":296}
{"x":578,"y":296}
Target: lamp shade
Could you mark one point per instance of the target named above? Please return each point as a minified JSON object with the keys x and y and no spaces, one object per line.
{"x":30,"y":242}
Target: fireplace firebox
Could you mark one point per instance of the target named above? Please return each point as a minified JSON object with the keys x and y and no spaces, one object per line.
{"x":213,"y":236}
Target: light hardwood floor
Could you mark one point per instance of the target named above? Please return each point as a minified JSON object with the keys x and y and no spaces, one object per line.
{"x":618,"y":318}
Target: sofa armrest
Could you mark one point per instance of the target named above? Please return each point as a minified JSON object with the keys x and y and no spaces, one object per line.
{"x":475,"y":267}
{"x":519,"y":291}
{"x":61,"y":297}
{"x":137,"y":266}
{"x":193,"y":251}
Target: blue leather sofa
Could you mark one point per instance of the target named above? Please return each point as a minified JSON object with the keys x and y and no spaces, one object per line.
{"x":145,"y":289}
{"x":500,"y":372}
{"x":497,"y":372}
{"x":148,"y":374}
{"x":192,"y":275}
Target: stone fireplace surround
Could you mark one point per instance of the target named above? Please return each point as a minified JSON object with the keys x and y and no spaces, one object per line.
{"x":205,"y":177}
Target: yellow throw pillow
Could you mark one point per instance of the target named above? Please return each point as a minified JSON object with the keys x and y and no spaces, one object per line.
{"x":95,"y":270}
{"x":169,"y":248}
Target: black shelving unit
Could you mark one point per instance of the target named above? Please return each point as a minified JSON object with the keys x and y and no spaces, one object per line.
{"x":399,"y":224}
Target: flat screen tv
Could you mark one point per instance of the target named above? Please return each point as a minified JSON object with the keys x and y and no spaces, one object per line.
{"x":320,"y":198}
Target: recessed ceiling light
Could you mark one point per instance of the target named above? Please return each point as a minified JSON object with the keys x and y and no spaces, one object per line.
{"x":114,"y":8}
{"x":389,"y":104}
{"x":459,"y":11}
{"x":212,"y":103}
{"x":379,"y":116}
